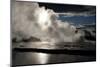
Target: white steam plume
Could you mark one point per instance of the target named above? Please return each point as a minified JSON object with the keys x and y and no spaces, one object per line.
{"x":28,"y":19}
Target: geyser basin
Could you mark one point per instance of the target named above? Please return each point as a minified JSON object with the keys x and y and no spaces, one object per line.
{"x":45,"y":53}
{"x":57,"y":46}
{"x":48,"y":33}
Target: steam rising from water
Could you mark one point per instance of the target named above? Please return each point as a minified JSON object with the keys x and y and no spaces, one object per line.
{"x":31,"y":20}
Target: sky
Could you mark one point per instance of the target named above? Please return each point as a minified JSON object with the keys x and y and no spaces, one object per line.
{"x":79,"y":19}
{"x":69,"y":7}
{"x":77,"y":14}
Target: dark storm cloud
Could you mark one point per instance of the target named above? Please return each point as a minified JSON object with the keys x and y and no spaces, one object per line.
{"x":71,"y":8}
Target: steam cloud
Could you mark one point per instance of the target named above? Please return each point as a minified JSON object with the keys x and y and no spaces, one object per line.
{"x":28,"y":19}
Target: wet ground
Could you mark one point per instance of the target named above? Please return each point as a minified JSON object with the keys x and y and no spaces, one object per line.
{"x":50,"y":54}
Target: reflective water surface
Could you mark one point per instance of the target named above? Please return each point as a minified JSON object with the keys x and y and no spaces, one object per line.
{"x":45,"y":57}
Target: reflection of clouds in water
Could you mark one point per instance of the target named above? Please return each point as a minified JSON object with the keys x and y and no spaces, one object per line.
{"x":40,"y":58}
